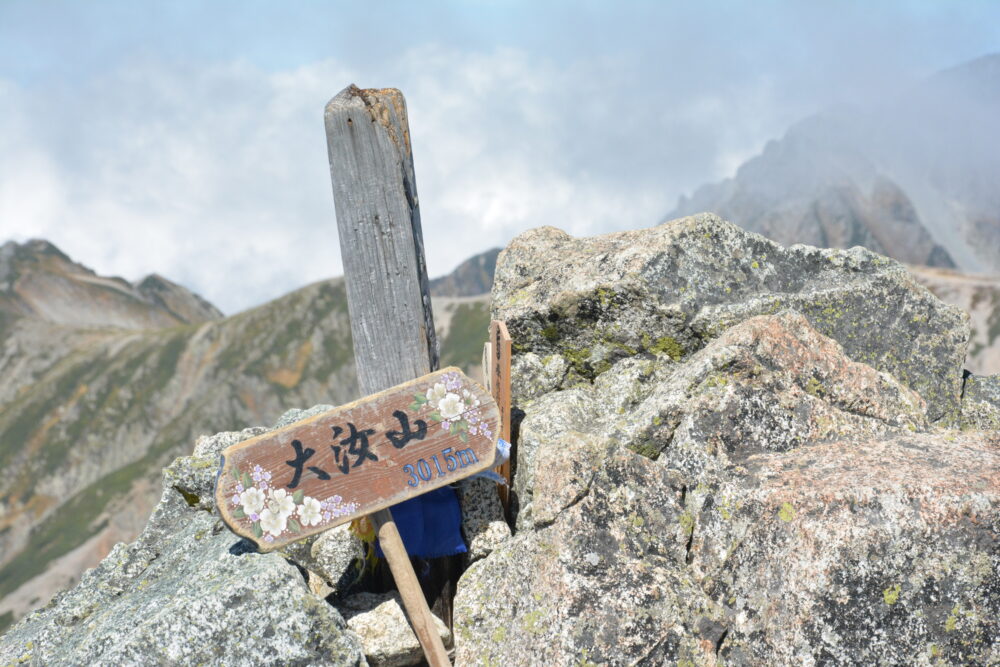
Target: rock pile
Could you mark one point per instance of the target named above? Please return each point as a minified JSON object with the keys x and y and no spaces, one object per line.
{"x":737,"y":453}
{"x":729,"y":452}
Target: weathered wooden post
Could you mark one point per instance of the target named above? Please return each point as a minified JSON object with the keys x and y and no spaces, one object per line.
{"x":378,"y":220}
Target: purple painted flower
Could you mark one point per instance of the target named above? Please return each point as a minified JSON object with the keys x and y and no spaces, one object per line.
{"x":336,"y":499}
{"x":268,"y":538}
{"x":254,"y":516}
{"x":257,"y":468}
{"x":267,"y":476}
{"x":473,"y":429}
{"x":235,"y":499}
{"x":326,"y":516}
{"x":239,"y":488}
{"x":445,"y":425}
{"x":264,"y":486}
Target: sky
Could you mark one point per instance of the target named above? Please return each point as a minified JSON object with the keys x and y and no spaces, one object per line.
{"x":186,"y":138}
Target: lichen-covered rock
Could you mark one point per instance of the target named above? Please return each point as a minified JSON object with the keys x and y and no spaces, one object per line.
{"x":598,"y":578}
{"x":185,"y":593}
{"x":708,"y":479}
{"x":385,"y":634}
{"x":770,"y":383}
{"x":670,"y":289}
{"x":483,"y":522}
{"x":857,"y":552}
{"x":981,"y":403}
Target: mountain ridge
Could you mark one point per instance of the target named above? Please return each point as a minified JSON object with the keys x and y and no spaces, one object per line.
{"x":90,"y":414}
{"x":921,"y":167}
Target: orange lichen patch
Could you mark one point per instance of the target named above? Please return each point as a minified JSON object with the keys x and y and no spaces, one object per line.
{"x":251,"y":402}
{"x":945,"y":475}
{"x":36,"y":507}
{"x":290,"y":377}
{"x":40,"y":436}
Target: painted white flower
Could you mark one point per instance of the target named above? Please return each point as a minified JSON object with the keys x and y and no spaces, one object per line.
{"x":281,"y":502}
{"x":272,"y":522}
{"x":451,"y":406}
{"x":470,"y":398}
{"x":309,"y":511}
{"x":252,"y":500}
{"x":436,"y":393}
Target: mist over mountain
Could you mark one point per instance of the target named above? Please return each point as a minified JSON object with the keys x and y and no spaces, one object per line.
{"x":913,"y":176}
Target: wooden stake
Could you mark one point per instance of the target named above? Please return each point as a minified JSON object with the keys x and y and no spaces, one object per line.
{"x":499,"y":386}
{"x":378,"y":221}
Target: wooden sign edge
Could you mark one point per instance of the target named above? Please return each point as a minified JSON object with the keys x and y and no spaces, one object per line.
{"x":264,"y":547}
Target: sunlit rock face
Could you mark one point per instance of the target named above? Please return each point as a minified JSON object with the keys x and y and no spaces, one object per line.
{"x":182,"y":594}
{"x":730,"y":451}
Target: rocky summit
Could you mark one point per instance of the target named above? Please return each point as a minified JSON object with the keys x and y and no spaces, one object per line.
{"x":727,"y":452}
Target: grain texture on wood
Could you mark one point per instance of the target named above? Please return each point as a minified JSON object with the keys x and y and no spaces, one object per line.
{"x":378,"y":218}
{"x":358,"y":458}
{"x":381,"y":243}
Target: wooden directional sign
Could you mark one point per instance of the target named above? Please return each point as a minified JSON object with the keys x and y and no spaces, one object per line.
{"x":351,"y":461}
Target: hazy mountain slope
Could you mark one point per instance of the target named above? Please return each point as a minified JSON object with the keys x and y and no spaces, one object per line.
{"x":37,"y":280}
{"x":89,"y":416}
{"x":914,"y":176}
{"x":979,"y":296}
{"x":473,"y":277}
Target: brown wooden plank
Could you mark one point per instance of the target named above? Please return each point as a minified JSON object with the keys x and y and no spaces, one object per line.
{"x":500,"y":352}
{"x":272,"y":491}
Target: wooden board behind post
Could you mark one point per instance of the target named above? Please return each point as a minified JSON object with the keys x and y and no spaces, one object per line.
{"x":500,"y":351}
{"x":378,"y":222}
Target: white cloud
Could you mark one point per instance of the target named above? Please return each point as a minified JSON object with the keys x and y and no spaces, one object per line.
{"x":216,"y":175}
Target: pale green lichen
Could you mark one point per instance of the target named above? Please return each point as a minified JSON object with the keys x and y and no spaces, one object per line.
{"x":532,"y":622}
{"x":951,"y":623}
{"x":891,"y":594}
{"x":663,"y":345}
{"x":687,"y":522}
{"x":787,"y":512}
{"x":815,"y":388}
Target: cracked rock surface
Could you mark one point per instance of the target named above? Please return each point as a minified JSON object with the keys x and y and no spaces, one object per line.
{"x":182,"y":594}
{"x":733,"y":452}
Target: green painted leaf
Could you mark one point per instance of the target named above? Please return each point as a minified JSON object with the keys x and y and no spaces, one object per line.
{"x":257,"y":530}
{"x":464,"y":435}
{"x":419,"y":398}
{"x":235,"y":474}
{"x":414,"y":406}
{"x":247,"y":480}
{"x":298,"y":496}
{"x":436,"y":416}
{"x":238,"y":513}
{"x":454,"y":428}
{"x":294,"y":526}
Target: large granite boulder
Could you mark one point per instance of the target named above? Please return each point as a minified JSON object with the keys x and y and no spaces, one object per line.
{"x":185,"y":593}
{"x":981,"y":402}
{"x":671,"y":289}
{"x":708,"y":478}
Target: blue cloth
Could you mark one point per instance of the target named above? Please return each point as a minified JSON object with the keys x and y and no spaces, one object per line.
{"x":430,"y":524}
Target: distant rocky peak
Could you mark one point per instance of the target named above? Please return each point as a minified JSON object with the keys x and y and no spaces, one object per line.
{"x":472,"y":277}
{"x":912,"y":175}
{"x":39,"y":281}
{"x":180,"y":301}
